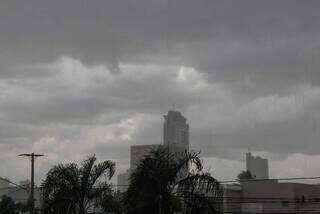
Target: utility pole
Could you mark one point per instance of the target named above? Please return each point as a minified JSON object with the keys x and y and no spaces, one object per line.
{"x":160,"y":205}
{"x":31,"y":197}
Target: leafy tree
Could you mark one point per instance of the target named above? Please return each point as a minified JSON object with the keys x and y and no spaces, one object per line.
{"x":111,"y":202}
{"x":156,"y":185}
{"x":73,"y":189}
{"x":7,"y":205}
{"x":245,"y":175}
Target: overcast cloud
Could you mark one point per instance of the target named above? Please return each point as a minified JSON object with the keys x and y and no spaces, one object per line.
{"x":80,"y":77}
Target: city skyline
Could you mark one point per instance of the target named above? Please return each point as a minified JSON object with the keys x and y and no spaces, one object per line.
{"x":80,"y":78}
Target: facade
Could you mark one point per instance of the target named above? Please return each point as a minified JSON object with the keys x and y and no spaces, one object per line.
{"x":271,"y":196}
{"x":175,"y":132}
{"x":176,"y":135}
{"x":231,"y":195}
{"x":137,"y":152}
{"x":280,"y":197}
{"x":257,"y":166}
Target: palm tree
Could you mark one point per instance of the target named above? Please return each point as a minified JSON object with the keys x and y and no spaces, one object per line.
{"x":73,"y":189}
{"x":156,"y":185}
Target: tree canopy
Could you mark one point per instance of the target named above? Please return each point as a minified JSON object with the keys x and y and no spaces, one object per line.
{"x":75,"y":189}
{"x":245,"y":175}
{"x":156,"y":185}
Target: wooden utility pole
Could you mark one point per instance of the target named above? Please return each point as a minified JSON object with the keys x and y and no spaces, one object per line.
{"x":31,"y":197}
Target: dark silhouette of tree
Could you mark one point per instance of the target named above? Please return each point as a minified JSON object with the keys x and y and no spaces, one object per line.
{"x":73,"y":190}
{"x":111,"y":202}
{"x":245,"y":175}
{"x":156,"y":185}
{"x":7,"y":206}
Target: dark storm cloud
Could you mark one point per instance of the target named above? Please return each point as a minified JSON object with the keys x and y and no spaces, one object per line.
{"x":80,"y":76}
{"x":112,"y":31}
{"x":283,"y":137}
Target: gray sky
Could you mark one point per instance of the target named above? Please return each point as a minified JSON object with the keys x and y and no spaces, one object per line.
{"x":79,"y":77}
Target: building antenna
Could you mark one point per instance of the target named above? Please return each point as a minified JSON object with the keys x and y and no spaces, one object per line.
{"x":173,"y":106}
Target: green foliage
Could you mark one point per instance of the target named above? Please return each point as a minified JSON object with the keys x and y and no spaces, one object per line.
{"x":157,"y":183}
{"x":7,"y":206}
{"x":73,"y":189}
{"x":245,"y":175}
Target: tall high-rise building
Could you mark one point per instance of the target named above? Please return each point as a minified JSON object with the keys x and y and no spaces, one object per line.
{"x":257,"y":166}
{"x":175,"y":132}
{"x":175,"y":138}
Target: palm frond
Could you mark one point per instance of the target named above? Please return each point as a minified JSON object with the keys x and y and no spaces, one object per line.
{"x":85,"y":170}
{"x":105,"y":168}
{"x":200,"y":183}
{"x":74,"y":188}
{"x":189,"y":159}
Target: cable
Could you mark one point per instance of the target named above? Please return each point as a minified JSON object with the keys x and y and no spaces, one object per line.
{"x":270,"y":179}
{"x":4,"y":179}
{"x":273,"y":179}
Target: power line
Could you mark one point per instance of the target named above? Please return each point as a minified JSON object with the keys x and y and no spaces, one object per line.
{"x":273,"y":179}
{"x":245,"y":180}
{"x":10,"y":182}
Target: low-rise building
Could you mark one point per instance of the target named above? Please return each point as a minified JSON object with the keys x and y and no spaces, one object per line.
{"x":271,"y":196}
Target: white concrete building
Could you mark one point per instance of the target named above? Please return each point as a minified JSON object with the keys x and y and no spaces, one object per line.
{"x":257,"y":166}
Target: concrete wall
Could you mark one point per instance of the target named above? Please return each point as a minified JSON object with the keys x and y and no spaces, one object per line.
{"x":232,"y":194}
{"x":270,"y":196}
